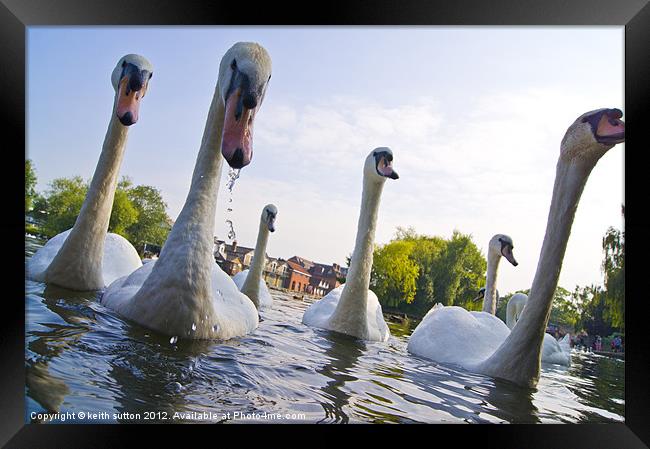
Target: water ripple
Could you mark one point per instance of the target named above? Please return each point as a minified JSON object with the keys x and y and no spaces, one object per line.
{"x":82,"y":357}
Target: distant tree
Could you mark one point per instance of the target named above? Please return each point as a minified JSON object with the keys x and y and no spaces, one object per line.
{"x":153,"y":224}
{"x":564,"y":310}
{"x":30,"y":185}
{"x":138,"y":214}
{"x":591,"y":301}
{"x":409,"y":233}
{"x":413,"y":271}
{"x":62,"y":204}
{"x":467,"y":271}
{"x":123,"y":214}
{"x":395,"y":273}
{"x":428,"y":253}
{"x":613,"y":267}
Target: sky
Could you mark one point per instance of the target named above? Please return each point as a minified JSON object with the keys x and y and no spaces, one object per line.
{"x":474,"y":116}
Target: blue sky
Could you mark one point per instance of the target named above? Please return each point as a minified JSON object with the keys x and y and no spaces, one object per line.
{"x":474,"y":116}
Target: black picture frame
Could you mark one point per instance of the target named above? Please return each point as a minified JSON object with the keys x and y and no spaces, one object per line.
{"x":634,"y":15}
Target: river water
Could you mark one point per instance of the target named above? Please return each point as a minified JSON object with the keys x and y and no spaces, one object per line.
{"x":82,"y":358}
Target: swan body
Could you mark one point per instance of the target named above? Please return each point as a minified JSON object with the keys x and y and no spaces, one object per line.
{"x":250,"y":281}
{"x":452,"y":334}
{"x":264,"y":295}
{"x":591,"y":135}
{"x":184,"y":293}
{"x":352,"y":308}
{"x":119,"y":259}
{"x":552,"y":350}
{"x":86,"y":257}
{"x":319,"y":316}
{"x":228,"y":314}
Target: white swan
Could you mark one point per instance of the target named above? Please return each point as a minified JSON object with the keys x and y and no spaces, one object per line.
{"x":352,"y":308}
{"x":250,"y":282}
{"x":518,"y":359}
{"x":184,"y":293}
{"x":553,"y":351}
{"x":86,"y":257}
{"x":455,"y":335}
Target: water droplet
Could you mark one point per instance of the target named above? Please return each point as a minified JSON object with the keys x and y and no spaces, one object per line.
{"x":175,"y":387}
{"x":233,"y":175}
{"x":174,"y":339}
{"x":193,"y":326}
{"x":231,"y":232}
{"x":215,"y":328}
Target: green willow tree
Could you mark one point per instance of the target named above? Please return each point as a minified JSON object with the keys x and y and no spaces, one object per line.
{"x":395,"y":273}
{"x":153,"y":224}
{"x":591,"y":303}
{"x":614,"y":270}
{"x":413,"y":272}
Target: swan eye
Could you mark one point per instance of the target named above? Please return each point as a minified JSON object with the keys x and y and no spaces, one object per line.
{"x":124,"y":63}
{"x":233,"y":64}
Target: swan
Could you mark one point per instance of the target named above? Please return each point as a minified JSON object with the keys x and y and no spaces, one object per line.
{"x":87,"y":257}
{"x":184,"y":293}
{"x":590,"y":136}
{"x":252,"y":285}
{"x":352,"y":308}
{"x":553,"y":351}
{"x":452,"y":334}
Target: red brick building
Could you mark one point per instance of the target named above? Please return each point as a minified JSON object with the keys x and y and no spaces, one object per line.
{"x":299,"y":277}
{"x":323,"y":278}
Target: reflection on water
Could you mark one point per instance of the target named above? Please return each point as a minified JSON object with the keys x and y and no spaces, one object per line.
{"x":80,"y":357}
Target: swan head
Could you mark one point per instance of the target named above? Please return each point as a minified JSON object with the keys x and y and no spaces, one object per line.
{"x":379,"y":165}
{"x":592,"y":134}
{"x":269,"y":213}
{"x":501,"y":245}
{"x":244,"y":74}
{"x":130,"y":79}
{"x":481,"y":294}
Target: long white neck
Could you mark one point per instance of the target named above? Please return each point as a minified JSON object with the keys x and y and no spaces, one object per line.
{"x":511,"y":316}
{"x":518,"y":357}
{"x":350,"y":314}
{"x":252,"y":282}
{"x":490,"y":297}
{"x":181,"y":278}
{"x":515,"y":308}
{"x":78,"y":264}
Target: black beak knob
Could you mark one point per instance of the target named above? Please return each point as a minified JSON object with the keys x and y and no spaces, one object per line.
{"x":250,"y":101}
{"x":237,"y":160}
